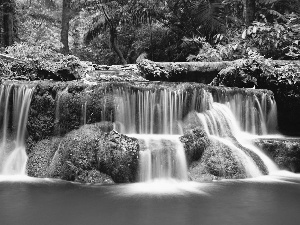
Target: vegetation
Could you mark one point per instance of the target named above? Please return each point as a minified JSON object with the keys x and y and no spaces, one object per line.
{"x":118,"y":32}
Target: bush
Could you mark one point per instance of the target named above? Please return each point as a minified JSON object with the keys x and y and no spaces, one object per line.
{"x":263,"y":74}
{"x":272,"y":40}
{"x":41,"y":62}
{"x":151,"y":71}
{"x":5,"y":72}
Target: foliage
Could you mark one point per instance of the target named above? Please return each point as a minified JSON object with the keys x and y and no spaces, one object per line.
{"x":39,"y":25}
{"x":275,"y":40}
{"x":4,"y":70}
{"x":207,"y":52}
{"x":152,"y":71}
{"x":193,"y":17}
{"x":263,"y":74}
{"x":41,"y":59}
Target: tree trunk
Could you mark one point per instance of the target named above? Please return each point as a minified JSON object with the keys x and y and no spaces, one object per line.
{"x":114,"y":45}
{"x":249,"y":11}
{"x":65,"y":25}
{"x":8,"y":21}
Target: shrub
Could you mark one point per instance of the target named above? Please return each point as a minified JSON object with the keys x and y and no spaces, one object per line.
{"x":262,"y":73}
{"x":41,"y":62}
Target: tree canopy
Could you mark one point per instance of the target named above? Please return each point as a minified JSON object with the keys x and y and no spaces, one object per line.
{"x":119,"y":31}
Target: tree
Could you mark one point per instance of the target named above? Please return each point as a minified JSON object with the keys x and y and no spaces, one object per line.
{"x":65,"y":25}
{"x":8,"y":8}
{"x":249,"y":11}
{"x":113,"y":15}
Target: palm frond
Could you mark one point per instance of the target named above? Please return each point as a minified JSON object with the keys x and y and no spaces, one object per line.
{"x":211,"y":16}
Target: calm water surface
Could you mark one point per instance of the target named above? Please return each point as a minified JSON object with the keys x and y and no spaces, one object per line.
{"x":265,"y":200}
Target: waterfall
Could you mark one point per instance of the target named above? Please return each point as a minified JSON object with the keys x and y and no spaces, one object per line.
{"x":220,"y":123}
{"x":14,"y":102}
{"x":155,"y":116}
{"x":162,"y":157}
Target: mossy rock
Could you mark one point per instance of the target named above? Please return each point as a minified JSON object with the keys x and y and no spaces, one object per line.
{"x":195,"y":142}
{"x":93,"y":153}
{"x":41,"y":156}
{"x":285,"y":152}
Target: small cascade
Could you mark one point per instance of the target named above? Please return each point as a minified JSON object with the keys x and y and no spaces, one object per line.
{"x":57,"y":110}
{"x":162,"y":157}
{"x":83,"y":113}
{"x":220,"y":123}
{"x":149,"y":112}
{"x":15,"y":101}
{"x":254,"y":114}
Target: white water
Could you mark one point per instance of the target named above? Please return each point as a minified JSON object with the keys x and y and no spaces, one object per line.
{"x":16,"y":102}
{"x":155,"y":118}
{"x":220,"y":124}
{"x":162,"y":158}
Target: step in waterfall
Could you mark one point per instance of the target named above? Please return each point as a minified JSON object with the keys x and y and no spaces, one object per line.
{"x":228,"y":116}
{"x":14,"y":103}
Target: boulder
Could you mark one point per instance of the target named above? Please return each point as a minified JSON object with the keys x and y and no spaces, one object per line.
{"x":284,"y":151}
{"x":195,"y":142}
{"x":87,"y":154}
{"x":217,"y":161}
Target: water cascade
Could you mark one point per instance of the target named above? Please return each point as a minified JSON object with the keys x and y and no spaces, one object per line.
{"x":162,"y":157}
{"x":14,"y":102}
{"x":155,"y":117}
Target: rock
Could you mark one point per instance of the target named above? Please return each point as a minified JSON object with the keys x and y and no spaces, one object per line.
{"x":40,"y":158}
{"x":87,"y":155}
{"x":94,"y":177}
{"x":195,"y":142}
{"x":285,"y":152}
{"x":209,"y":159}
{"x":191,"y":121}
{"x":118,"y":157}
{"x":218,"y":160}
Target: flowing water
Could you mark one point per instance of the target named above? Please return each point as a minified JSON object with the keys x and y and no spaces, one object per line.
{"x":156,"y":117}
{"x":15,"y":101}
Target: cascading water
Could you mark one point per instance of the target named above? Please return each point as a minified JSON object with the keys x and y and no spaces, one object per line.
{"x":14,"y":102}
{"x":162,"y":157}
{"x":220,"y":123}
{"x":155,"y":117}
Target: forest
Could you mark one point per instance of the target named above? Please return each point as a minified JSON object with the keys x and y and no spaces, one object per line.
{"x":62,"y":40}
{"x":118,"y":32}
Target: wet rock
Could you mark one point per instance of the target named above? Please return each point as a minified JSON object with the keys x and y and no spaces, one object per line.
{"x":285,"y":152}
{"x":220,"y":161}
{"x":40,"y":158}
{"x":191,"y":121}
{"x":210,"y":159}
{"x":87,"y":155}
{"x":118,"y":157}
{"x":195,"y":142}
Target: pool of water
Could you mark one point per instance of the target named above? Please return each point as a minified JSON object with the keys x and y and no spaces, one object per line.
{"x":267,"y":200}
